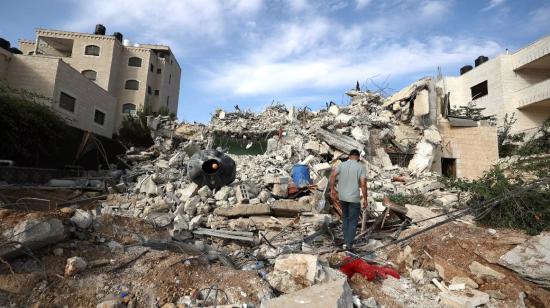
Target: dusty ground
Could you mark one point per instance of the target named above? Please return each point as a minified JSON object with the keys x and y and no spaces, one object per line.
{"x":455,"y":246}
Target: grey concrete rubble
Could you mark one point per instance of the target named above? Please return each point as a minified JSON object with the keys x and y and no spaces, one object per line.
{"x":32,"y":234}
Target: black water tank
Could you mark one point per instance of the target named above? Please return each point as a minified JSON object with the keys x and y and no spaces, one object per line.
{"x":480,"y":60}
{"x":4,"y":44}
{"x":100,"y":29}
{"x":118,"y":36}
{"x":16,"y":51}
{"x":211,"y":168}
{"x":465,"y":69}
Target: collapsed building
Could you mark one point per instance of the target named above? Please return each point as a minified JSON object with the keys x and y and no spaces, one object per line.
{"x":235,"y":213}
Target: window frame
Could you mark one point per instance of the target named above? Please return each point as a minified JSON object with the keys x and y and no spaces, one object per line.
{"x":89,"y":70}
{"x":125,"y":104}
{"x":92,"y":55}
{"x":157,"y":92}
{"x":61,"y":93}
{"x":480,"y":88}
{"x":104,"y":117}
{"x":126,"y":84}
{"x":140,"y":62}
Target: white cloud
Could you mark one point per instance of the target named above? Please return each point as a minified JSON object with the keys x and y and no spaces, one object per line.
{"x":493,"y":4}
{"x":433,"y":8}
{"x":298,"y":5}
{"x":205,"y":19}
{"x":361,"y":4}
{"x":316,"y":55}
{"x":541,"y":15}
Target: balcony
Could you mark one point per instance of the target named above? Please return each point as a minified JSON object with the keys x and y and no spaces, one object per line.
{"x":535,"y":95}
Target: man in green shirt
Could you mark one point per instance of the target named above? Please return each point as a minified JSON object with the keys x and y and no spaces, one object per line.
{"x":351,"y":176}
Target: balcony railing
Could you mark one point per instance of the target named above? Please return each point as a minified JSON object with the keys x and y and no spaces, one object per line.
{"x":533,"y":94}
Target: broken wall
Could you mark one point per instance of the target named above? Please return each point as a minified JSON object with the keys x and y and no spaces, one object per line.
{"x":474,"y":148}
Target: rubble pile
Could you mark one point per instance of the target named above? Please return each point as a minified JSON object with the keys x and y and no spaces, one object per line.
{"x":256,"y":228}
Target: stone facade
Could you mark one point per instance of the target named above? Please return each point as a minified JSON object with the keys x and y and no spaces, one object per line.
{"x":158,"y":74}
{"x":472,"y":150}
{"x":517,"y":83}
{"x":51,"y":76}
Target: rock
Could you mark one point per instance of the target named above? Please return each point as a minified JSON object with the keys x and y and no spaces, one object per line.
{"x":204,"y":192}
{"x":271,"y":145}
{"x":74,"y":266}
{"x":243,"y":210}
{"x":446,"y":200}
{"x":483,"y":271}
{"x":417,"y":275}
{"x":312,"y":146}
{"x":223,"y":193}
{"x":189,"y":192}
{"x":82,"y":219}
{"x":148,"y":186}
{"x":344,"y":118}
{"x":67,"y":210}
{"x":457,"y":286}
{"x":384,"y":158}
{"x":176,"y":160}
{"x":32,"y":234}
{"x":110,"y":303}
{"x":169,"y":305}
{"x":360,"y":134}
{"x":465,"y":280}
{"x":322,"y":167}
{"x":335,"y":294}
{"x":496,"y":294}
{"x":264,"y":195}
{"x":302,"y":270}
{"x":423,"y":157}
{"x":531,"y":259}
{"x":334,"y":109}
{"x":465,"y":299}
{"x":370,"y":303}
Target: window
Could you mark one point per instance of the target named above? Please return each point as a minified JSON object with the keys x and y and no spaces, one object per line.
{"x":149,"y":90}
{"x":167,"y":100}
{"x":91,"y":50}
{"x":134,"y":61}
{"x":170,"y":79}
{"x":99,"y":117}
{"x":90,"y":74}
{"x":128,"y":108}
{"x":159,"y":70}
{"x":131,"y":85}
{"x":151,"y":67}
{"x":479,"y":90}
{"x":157,"y":92}
{"x":67,"y":102}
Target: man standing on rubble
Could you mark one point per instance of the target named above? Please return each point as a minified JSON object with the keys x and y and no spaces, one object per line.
{"x":351,"y":176}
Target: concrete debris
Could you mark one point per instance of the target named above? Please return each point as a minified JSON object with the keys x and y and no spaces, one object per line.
{"x":74,"y":266}
{"x":335,"y":294}
{"x":464,"y":299}
{"x":82,"y":219}
{"x":293,"y":272}
{"x":483,"y":271}
{"x":531,"y":259}
{"x":32,"y":234}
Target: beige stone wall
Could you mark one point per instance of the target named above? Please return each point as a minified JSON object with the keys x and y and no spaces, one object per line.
{"x":33,"y":73}
{"x":26,"y":46}
{"x":474,"y":148}
{"x":89,"y":97}
{"x":49,"y":76}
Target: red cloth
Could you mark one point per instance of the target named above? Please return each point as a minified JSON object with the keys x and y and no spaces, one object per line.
{"x":370,"y":272}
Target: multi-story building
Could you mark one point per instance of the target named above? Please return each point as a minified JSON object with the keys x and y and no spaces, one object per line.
{"x":134,"y":74}
{"x":516,"y":82}
{"x":82,"y":103}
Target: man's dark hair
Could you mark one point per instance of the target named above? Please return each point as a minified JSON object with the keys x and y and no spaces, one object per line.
{"x":354,"y":152}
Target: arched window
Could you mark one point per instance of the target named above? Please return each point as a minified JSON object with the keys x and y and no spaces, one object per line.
{"x":131,"y":85}
{"x":91,"y":50}
{"x":134,"y":61}
{"x":128,"y":108}
{"x":90,"y":74}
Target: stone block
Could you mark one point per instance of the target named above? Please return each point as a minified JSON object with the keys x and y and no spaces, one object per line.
{"x":335,"y":294}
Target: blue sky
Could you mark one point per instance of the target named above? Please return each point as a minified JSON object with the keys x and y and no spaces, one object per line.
{"x":298,"y":52}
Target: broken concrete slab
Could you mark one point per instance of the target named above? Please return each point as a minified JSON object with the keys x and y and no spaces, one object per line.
{"x":302,"y":270}
{"x":339,"y":141}
{"x":82,"y":219}
{"x":464,"y":299}
{"x":531,"y":259}
{"x":289,"y":208}
{"x":335,"y":294}
{"x":243,"y":210}
{"x":483,"y":271}
{"x":32,"y":234}
{"x":464,"y":280}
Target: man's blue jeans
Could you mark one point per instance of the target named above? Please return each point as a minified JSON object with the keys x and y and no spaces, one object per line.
{"x":350,"y":212}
